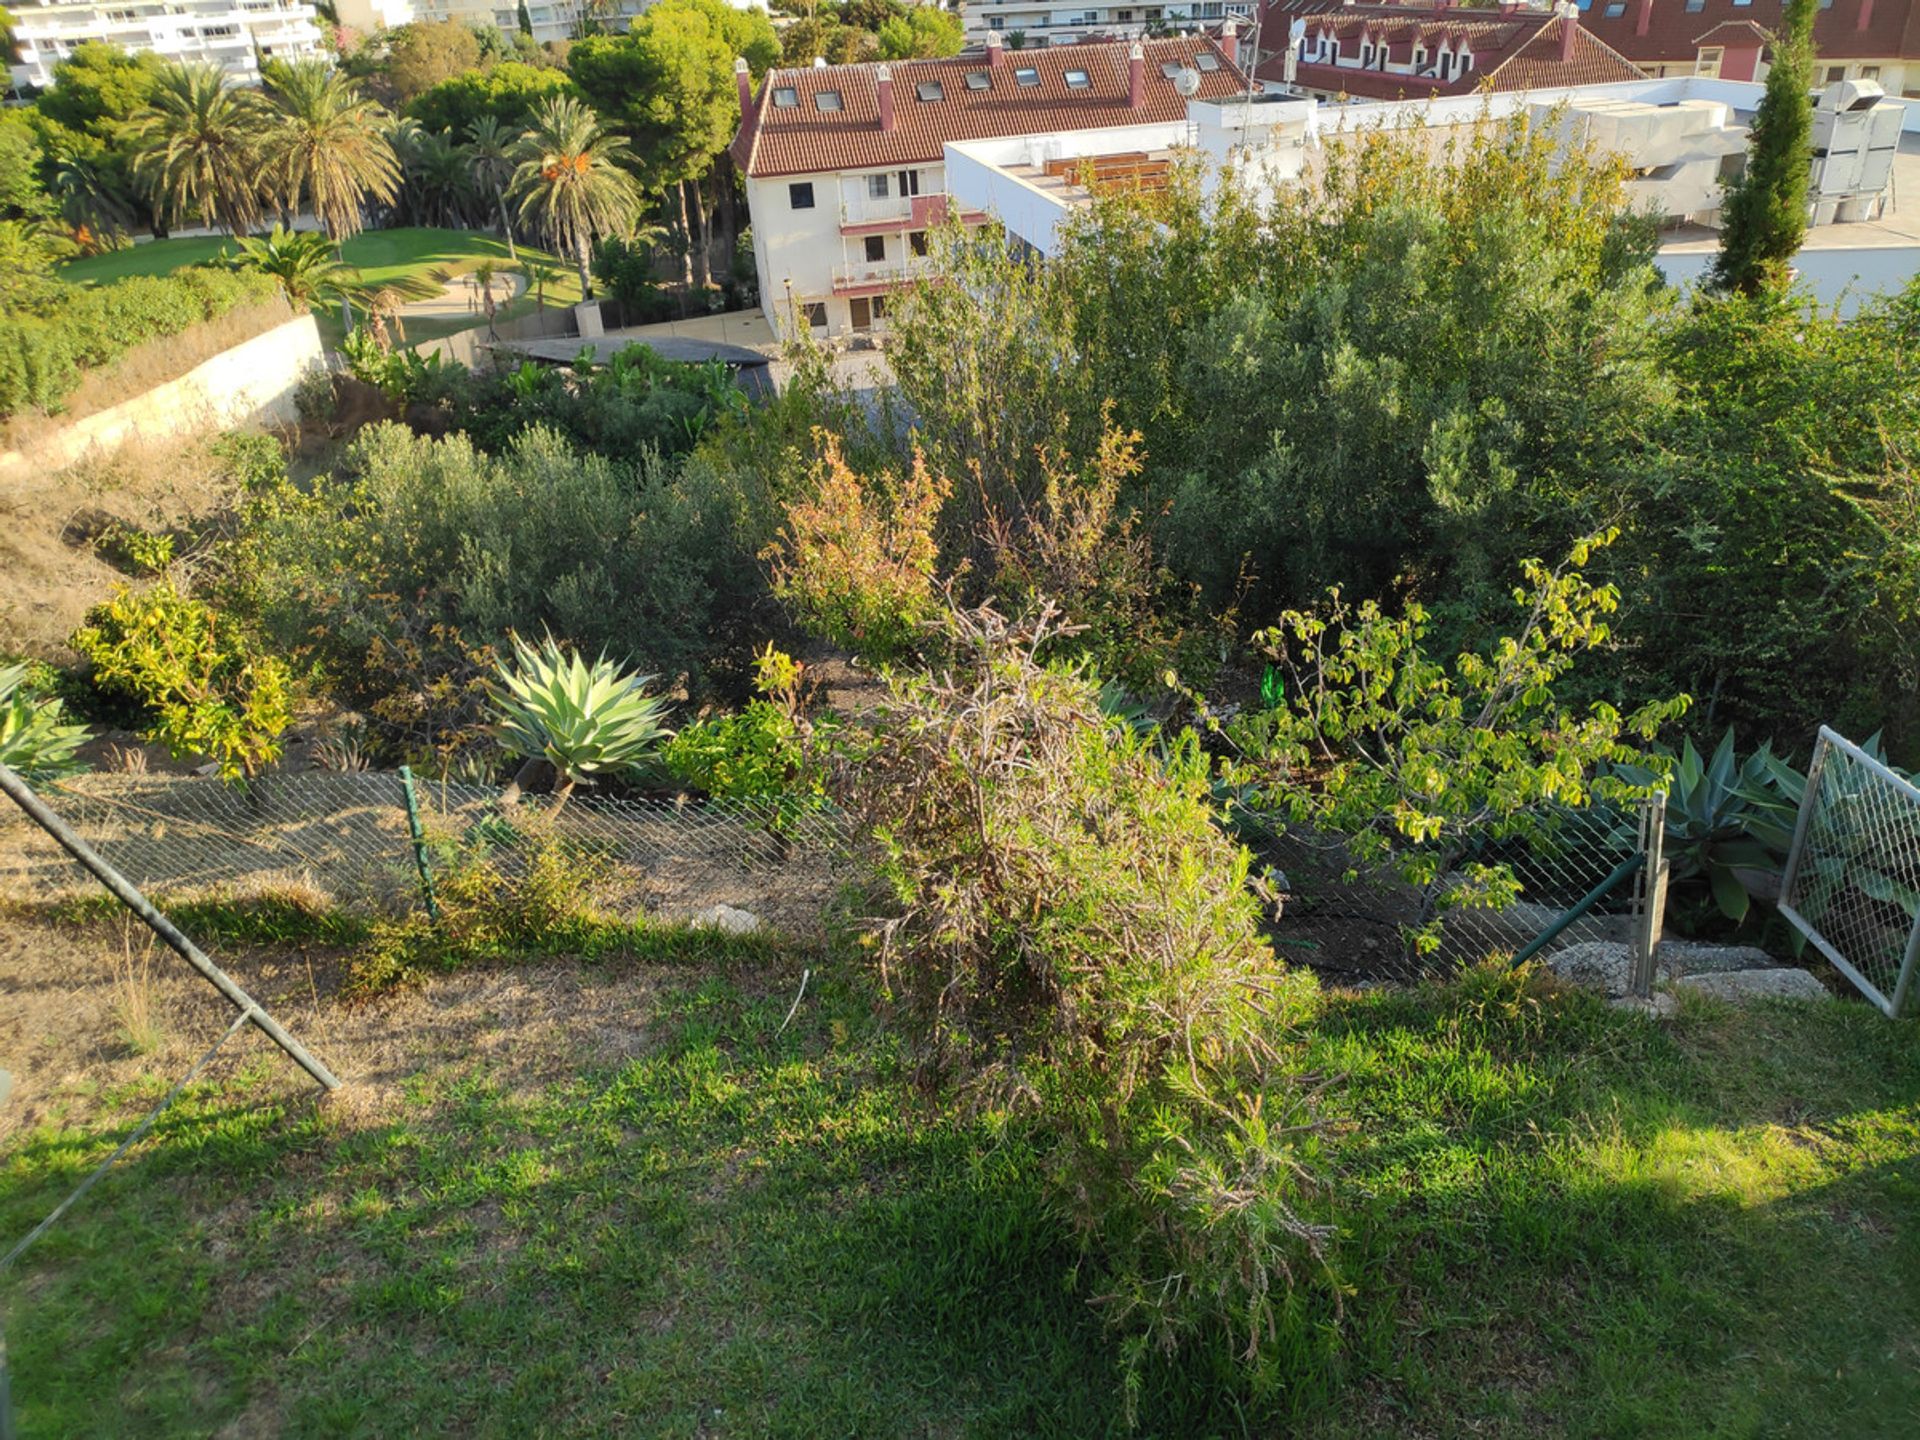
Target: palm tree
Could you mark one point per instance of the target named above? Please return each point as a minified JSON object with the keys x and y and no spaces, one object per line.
{"x":303,"y":262}
{"x":197,"y":147}
{"x":328,"y":141}
{"x":490,"y":162}
{"x":90,"y":195}
{"x":569,"y":182}
{"x":437,"y":186}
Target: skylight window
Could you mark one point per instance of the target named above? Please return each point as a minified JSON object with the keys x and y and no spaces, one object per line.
{"x":827,"y":100}
{"x":785,"y":97}
{"x":1207,"y":60}
{"x":1026,"y":75}
{"x":1077,"y":80}
{"x":930,"y":90}
{"x":979,"y":80}
{"x":1170,"y":69}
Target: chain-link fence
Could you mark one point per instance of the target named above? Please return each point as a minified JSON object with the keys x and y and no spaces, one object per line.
{"x":1852,"y":881}
{"x":1355,"y":923}
{"x":348,"y":839}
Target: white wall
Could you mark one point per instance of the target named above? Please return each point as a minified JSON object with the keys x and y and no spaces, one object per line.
{"x":254,"y":381}
{"x":1845,"y":279}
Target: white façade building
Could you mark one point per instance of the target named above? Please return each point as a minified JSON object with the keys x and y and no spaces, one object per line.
{"x":235,"y":34}
{"x":1031,"y":24}
{"x":845,"y":168}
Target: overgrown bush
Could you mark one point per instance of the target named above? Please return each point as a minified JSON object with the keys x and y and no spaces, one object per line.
{"x":855,"y":560}
{"x":205,"y":689}
{"x":400,"y":575}
{"x":757,"y":752}
{"x":1063,"y":929}
{"x":45,"y":350}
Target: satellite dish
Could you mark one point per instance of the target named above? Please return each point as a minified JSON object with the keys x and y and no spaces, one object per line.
{"x":1187,"y":82}
{"x":1297,"y":31}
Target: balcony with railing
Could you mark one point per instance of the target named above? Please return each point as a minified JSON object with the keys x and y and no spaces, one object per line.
{"x":877,"y":277}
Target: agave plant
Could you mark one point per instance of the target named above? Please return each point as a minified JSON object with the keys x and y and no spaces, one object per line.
{"x":35,"y":739}
{"x":584,"y":719}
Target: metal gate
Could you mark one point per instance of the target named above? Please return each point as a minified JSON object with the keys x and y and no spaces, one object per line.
{"x":1852,"y":882}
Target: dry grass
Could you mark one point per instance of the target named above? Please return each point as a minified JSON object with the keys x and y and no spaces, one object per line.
{"x":135,"y":1003}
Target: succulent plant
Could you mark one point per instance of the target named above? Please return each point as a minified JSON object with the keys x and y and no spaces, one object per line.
{"x":35,"y":739}
{"x":584,"y":718}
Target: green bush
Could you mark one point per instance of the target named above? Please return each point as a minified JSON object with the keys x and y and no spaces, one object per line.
{"x":44,"y":352}
{"x":1066,"y":931}
{"x":206,"y":691}
{"x":401,"y":574}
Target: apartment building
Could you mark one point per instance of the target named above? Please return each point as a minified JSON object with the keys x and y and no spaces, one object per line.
{"x":1876,"y":40}
{"x":1394,"y":52}
{"x":545,"y":19}
{"x":1029,"y":24}
{"x":235,"y":34}
{"x":844,"y":164}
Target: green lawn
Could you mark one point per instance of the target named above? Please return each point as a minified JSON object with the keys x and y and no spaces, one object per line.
{"x":1558,"y":1219}
{"x":383,"y":257}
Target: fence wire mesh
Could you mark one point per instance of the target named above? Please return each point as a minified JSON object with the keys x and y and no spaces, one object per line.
{"x":1354,"y":925}
{"x":1852,"y":882}
{"x":346,"y":838}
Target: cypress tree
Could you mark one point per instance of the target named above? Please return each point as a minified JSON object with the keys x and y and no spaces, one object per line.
{"x":1764,"y":218}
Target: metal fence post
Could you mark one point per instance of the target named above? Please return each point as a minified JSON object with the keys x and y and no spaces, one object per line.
{"x":22,"y":795}
{"x":1650,"y":899}
{"x":419,"y":834}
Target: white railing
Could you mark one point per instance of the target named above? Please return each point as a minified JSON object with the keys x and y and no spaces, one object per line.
{"x":863,"y":209}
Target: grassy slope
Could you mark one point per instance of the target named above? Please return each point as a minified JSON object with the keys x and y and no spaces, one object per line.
{"x":1561,"y":1220}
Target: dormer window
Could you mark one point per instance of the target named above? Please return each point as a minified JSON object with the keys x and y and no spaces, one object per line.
{"x":930,"y":90}
{"x":785,"y":97}
{"x":1026,"y":75}
{"x":1077,"y":80}
{"x":979,"y":80}
{"x":827,"y":100}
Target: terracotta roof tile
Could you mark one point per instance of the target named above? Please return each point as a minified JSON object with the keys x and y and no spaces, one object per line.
{"x":1673,"y":32}
{"x":802,"y":139}
{"x":1517,"y":50}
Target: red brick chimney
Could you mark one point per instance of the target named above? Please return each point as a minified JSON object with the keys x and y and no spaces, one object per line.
{"x":883,"y":77}
{"x":1569,"y":30}
{"x":1230,"y":41}
{"x":1644,"y":18}
{"x":996,"y":52}
{"x":743,"y":82}
{"x":1866,"y":15}
{"x":1136,"y":76}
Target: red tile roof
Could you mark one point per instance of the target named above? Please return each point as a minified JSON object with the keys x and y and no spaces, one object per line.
{"x":1736,"y":33}
{"x":1512,"y":49}
{"x":803,"y":140}
{"x":1673,"y":31}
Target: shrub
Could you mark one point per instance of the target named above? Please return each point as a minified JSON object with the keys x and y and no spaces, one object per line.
{"x":44,"y":352}
{"x":204,"y":688}
{"x":1421,"y":765}
{"x":1064,"y":929}
{"x":760,"y":751}
{"x":855,"y":560}
{"x":399,"y":575}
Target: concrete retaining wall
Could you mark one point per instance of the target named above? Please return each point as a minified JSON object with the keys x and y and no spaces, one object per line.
{"x":253,"y":382}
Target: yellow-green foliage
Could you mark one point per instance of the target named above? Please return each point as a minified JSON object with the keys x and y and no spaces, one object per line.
{"x":205,"y":689}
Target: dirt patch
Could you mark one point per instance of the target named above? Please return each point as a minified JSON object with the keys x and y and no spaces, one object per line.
{"x":68,"y":1032}
{"x":50,"y":571}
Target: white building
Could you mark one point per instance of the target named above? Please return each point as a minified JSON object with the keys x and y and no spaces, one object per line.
{"x":1682,"y":137}
{"x":845,"y":167}
{"x":236,"y":34}
{"x":548,"y":20}
{"x":1038,"y":22}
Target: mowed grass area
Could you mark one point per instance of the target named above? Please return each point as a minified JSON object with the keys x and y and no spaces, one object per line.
{"x":1559,"y":1219}
{"x":383,"y":257}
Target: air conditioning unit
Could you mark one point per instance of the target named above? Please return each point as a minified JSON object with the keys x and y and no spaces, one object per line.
{"x":1851,"y":95}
